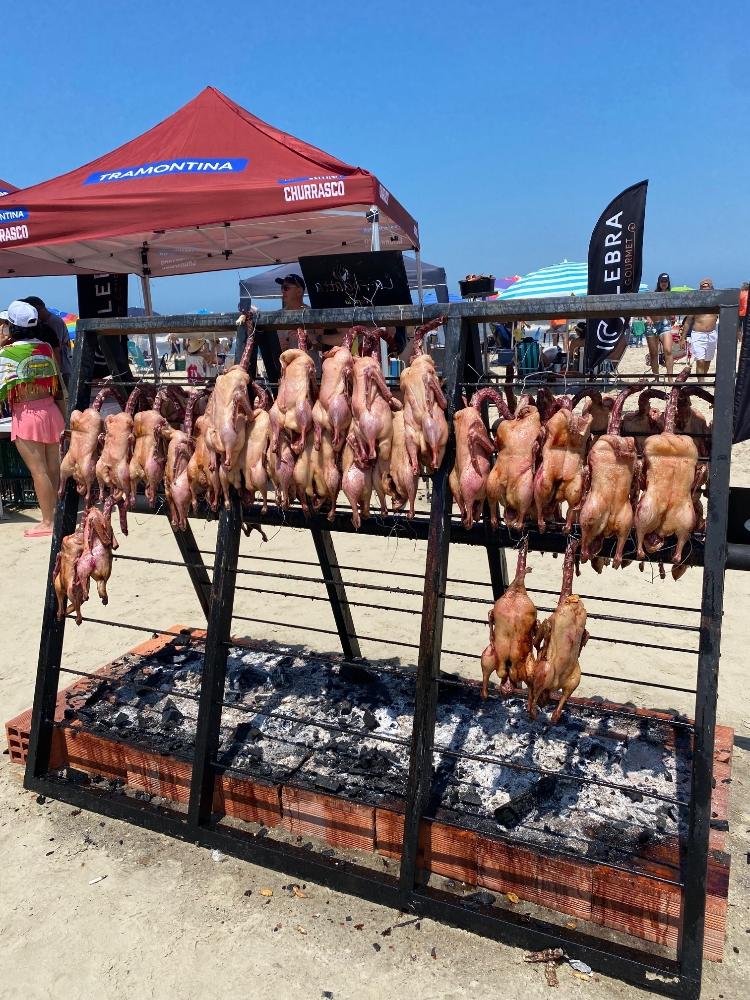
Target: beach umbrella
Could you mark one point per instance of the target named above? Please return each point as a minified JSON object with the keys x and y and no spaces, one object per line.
{"x":565,"y":278}
{"x":502,"y":283}
{"x":70,"y":319}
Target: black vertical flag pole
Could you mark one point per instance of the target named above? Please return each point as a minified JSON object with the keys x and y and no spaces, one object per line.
{"x":615,"y":266}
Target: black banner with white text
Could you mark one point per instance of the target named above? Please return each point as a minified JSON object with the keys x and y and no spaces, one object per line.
{"x":615,"y":266}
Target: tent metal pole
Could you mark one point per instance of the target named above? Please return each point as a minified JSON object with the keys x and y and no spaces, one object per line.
{"x":420,"y":289}
{"x":149,"y":311}
{"x":375,"y":238}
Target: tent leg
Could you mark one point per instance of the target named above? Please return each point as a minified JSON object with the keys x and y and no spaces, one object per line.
{"x":148,"y":309}
{"x":420,"y":288}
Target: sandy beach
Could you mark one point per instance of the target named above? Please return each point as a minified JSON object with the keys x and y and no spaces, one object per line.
{"x":170,"y":921}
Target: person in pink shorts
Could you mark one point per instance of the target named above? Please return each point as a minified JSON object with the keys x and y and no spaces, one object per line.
{"x":30,"y":384}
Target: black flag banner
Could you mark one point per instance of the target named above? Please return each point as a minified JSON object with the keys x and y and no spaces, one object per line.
{"x":615,"y":265}
{"x":742,"y":386}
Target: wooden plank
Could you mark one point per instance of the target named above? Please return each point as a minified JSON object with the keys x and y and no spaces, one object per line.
{"x":347,"y":825}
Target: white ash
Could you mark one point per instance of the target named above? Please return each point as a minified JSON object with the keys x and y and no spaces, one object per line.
{"x":154,"y":704}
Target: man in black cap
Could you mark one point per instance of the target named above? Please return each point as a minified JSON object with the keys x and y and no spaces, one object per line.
{"x":292,"y":291}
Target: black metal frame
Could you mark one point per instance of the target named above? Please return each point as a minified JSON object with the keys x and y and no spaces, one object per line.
{"x":681,"y":977}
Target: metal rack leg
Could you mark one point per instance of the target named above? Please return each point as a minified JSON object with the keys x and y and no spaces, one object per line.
{"x":419,"y":783}
{"x":336,"y":591}
{"x":215,"y":663}
{"x":195,"y":566}
{"x":53,"y":631}
{"x":712,"y":603}
{"x":496,"y":561}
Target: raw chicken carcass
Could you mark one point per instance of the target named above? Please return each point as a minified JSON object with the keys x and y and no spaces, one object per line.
{"x":226,"y":421}
{"x":149,"y":456}
{"x":281,"y":461}
{"x":468,"y":477}
{"x":332,"y":411}
{"x":68,"y":589}
{"x":203,"y":474}
{"x":95,"y":562}
{"x":692,"y":422}
{"x":257,"y":438}
{"x":512,"y":626}
{"x":600,"y":408}
{"x":610,"y":482}
{"x":292,"y":409}
{"x":644,"y":421}
{"x":424,"y":404}
{"x":559,"y":640}
{"x":670,"y":478}
{"x":317,"y":477}
{"x":401,"y":484}
{"x":113,"y":467}
{"x":79,"y":461}
{"x":372,"y":403}
{"x":356,"y":480}
{"x":511,"y":481}
{"x":179,"y":451}
{"x":559,"y":477}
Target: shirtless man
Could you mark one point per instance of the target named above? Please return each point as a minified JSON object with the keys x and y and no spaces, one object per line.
{"x":703,"y":331}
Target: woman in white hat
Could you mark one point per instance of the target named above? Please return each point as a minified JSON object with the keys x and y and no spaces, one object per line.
{"x":29,"y":383}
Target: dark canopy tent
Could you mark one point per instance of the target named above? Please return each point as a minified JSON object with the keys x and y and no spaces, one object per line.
{"x":264,"y":285}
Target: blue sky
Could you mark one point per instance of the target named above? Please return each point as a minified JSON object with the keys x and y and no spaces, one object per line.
{"x":503,"y":128}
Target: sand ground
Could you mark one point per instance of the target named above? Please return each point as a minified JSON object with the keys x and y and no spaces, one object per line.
{"x":169,"y":921}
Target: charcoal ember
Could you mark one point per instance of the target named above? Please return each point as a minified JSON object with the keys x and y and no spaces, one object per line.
{"x":470,"y":797}
{"x":633,"y":795}
{"x":171,"y":716}
{"x":369,"y":721}
{"x":277,"y":677}
{"x":720,"y":824}
{"x":253,"y":752}
{"x":69,"y":713}
{"x":75,"y":776}
{"x":122,"y":720}
{"x":345,"y":707}
{"x":247,"y":731}
{"x":328,"y":782}
{"x":351,"y":673}
{"x":592,"y":748}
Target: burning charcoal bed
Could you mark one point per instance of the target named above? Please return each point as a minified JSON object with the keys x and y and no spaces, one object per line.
{"x":598,"y":785}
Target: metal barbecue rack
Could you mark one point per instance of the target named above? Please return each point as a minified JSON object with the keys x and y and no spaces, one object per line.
{"x":696,"y":632}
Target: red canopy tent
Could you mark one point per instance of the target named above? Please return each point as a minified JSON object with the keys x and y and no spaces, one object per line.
{"x":210,"y":187}
{"x":6,"y":188}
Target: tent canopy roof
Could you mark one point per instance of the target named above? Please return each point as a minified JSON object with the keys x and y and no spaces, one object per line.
{"x":264,"y":285}
{"x":6,"y":188}
{"x":210,"y":187}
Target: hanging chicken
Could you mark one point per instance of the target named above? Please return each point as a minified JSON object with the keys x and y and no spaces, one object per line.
{"x":671,"y":479}
{"x":402,"y":480}
{"x":180,"y":447}
{"x":95,"y":562}
{"x":513,"y":622}
{"x":356,"y":479}
{"x":610,"y":487}
{"x":113,"y":467}
{"x":424,"y":404}
{"x":644,"y":421}
{"x":559,"y":478}
{"x":257,"y":438}
{"x":68,"y":588}
{"x":511,"y":481}
{"x":149,"y":455}
{"x":559,"y":640}
{"x":468,"y":477}
{"x":332,"y":411}
{"x":291,"y":412}
{"x":79,"y":461}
